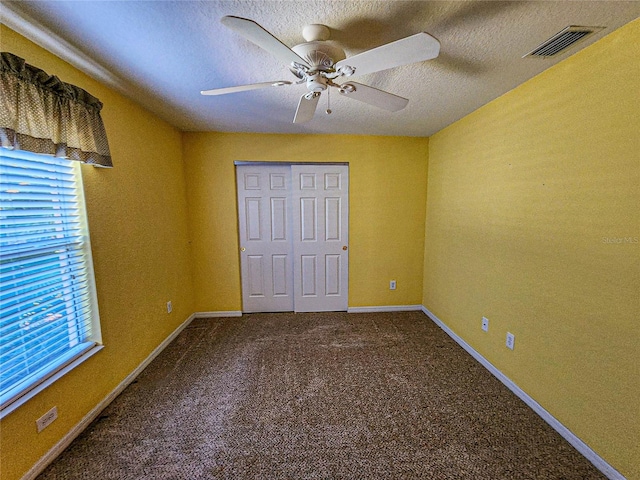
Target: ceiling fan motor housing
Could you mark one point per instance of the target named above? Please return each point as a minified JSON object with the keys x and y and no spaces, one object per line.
{"x":321,"y":55}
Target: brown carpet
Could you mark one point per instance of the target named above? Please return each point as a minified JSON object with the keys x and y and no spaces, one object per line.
{"x":318,"y":396}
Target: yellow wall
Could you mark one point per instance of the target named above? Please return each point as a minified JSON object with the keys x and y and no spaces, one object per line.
{"x":386,"y":219}
{"x":138,"y":225}
{"x":525,"y":196}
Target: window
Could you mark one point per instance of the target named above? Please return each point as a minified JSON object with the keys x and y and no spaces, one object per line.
{"x":48,"y":309}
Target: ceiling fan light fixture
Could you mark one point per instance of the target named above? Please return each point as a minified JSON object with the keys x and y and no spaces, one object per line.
{"x":347,"y":88}
{"x":316,"y":83}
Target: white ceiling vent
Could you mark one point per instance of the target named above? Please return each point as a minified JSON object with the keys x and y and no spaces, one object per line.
{"x":562,"y":40}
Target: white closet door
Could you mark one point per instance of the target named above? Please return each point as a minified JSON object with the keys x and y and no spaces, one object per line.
{"x":264,"y":211}
{"x":320,"y":196}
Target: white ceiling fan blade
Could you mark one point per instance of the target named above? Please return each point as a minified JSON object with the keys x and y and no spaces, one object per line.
{"x":373,"y":96}
{"x":242,"y":88}
{"x":306,"y":108}
{"x":258,"y":35}
{"x":416,"y":48}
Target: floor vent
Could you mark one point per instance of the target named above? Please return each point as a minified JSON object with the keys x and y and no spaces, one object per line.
{"x":562,"y":40}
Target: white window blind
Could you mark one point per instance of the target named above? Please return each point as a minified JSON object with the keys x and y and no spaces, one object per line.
{"x":48,"y":310}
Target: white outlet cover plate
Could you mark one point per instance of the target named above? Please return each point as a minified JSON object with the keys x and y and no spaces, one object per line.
{"x":485,"y":324}
{"x":47,"y":419}
{"x":511,"y":340}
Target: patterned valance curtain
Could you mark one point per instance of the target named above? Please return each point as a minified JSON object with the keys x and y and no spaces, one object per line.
{"x":41,"y":114}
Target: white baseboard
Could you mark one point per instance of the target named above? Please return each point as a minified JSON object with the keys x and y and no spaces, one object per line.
{"x":230,"y":313}
{"x":569,"y":436}
{"x":65,"y":441}
{"x":389,"y":308}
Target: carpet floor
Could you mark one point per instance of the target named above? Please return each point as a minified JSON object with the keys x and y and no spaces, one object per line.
{"x":318,"y":396}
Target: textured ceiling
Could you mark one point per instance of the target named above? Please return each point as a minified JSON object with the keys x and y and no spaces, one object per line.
{"x":163,"y":53}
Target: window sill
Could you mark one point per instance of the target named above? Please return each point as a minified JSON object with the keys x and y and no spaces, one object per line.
{"x":39,"y":384}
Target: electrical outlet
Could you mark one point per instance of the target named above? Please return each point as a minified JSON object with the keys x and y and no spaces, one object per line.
{"x":392,"y":285}
{"x":511,"y":340}
{"x":47,"y":419}
{"x":169,"y":307}
{"x":485,"y":324}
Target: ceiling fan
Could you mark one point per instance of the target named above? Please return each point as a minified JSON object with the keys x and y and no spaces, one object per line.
{"x":321,"y":64}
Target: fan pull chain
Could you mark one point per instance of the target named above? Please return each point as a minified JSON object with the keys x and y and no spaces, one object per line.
{"x":328,"y":111}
